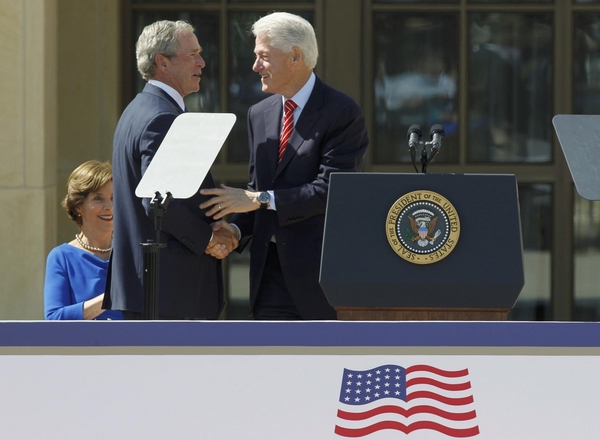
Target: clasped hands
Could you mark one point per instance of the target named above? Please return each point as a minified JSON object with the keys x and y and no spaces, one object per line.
{"x":224,"y":240}
{"x":226,"y":200}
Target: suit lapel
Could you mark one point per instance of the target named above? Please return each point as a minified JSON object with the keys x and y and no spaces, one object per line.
{"x":272,"y":126}
{"x":303,"y":128}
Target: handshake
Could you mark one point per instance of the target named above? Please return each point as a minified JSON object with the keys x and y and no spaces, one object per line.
{"x":224,"y":240}
{"x":226,"y":200}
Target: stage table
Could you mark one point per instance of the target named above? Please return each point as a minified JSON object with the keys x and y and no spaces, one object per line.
{"x":299,"y":380}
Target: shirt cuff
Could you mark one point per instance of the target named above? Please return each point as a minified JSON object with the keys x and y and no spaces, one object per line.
{"x":272,"y":201}
{"x":239,"y":233}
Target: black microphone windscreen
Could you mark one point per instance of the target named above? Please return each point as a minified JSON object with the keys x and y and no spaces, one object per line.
{"x":437,"y":129}
{"x":414,"y":129}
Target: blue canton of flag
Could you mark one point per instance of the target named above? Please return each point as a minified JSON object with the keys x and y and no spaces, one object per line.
{"x":360,"y":387}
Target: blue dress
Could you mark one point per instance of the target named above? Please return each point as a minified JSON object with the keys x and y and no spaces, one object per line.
{"x":73,"y":276}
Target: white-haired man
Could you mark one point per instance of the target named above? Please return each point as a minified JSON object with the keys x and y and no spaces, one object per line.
{"x":298,"y":137}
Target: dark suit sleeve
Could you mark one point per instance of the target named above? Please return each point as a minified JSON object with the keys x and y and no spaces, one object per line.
{"x":341,"y":149}
{"x":183,"y":219}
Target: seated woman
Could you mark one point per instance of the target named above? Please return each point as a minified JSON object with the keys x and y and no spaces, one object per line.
{"x":76,"y":271}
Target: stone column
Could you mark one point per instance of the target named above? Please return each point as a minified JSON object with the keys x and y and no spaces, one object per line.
{"x":28,"y":114}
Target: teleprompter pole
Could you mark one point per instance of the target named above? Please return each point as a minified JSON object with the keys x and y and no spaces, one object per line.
{"x":152,"y":257}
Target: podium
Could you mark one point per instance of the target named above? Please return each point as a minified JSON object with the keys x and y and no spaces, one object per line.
{"x":476,"y":275}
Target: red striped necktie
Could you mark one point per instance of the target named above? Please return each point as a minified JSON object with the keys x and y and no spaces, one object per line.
{"x":288,"y":126}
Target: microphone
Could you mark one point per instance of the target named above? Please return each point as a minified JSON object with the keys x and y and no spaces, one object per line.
{"x":414,"y":138}
{"x":437,"y":134}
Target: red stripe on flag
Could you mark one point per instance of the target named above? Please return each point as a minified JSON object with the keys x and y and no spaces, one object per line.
{"x":456,"y":401}
{"x":419,"y":409}
{"x":361,"y":432}
{"x":436,"y":383}
{"x":430,"y":369}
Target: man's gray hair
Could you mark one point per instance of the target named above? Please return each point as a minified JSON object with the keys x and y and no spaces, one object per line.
{"x":160,"y":37}
{"x":284,"y":31}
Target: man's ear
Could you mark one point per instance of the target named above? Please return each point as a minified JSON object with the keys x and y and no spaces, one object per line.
{"x":296,"y":54}
{"x":161,"y":62}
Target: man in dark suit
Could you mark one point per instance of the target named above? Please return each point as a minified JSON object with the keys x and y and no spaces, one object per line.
{"x":191,"y":284}
{"x":283,"y":209}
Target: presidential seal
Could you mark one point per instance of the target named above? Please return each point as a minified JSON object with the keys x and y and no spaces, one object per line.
{"x":422,"y":227}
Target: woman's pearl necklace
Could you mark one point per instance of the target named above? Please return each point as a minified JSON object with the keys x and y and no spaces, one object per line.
{"x":91,"y":248}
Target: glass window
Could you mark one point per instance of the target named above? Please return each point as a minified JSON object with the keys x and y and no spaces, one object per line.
{"x":510,"y":87}
{"x":176,"y":1}
{"x":206,"y":26}
{"x":535,"y":204}
{"x":272,"y":1}
{"x":238,"y":283}
{"x":586,"y":100}
{"x":244,"y":84}
{"x":510,"y":1}
{"x":415,"y":61}
{"x":416,"y":1}
{"x":586,"y":63}
{"x":587,"y":259}
{"x":237,"y":277}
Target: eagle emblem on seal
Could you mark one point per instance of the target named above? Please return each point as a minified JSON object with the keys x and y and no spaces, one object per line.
{"x":422,"y":223}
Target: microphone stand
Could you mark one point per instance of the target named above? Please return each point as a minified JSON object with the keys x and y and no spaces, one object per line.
{"x":414,"y":139}
{"x":424,"y":159}
{"x":413,"y":159}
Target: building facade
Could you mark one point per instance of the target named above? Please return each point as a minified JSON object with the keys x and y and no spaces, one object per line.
{"x":493,"y":74}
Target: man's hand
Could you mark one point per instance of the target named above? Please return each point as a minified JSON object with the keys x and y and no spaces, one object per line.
{"x":225,"y":239}
{"x":227,"y":200}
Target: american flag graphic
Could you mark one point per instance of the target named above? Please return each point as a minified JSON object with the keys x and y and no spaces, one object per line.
{"x":420,"y":397}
